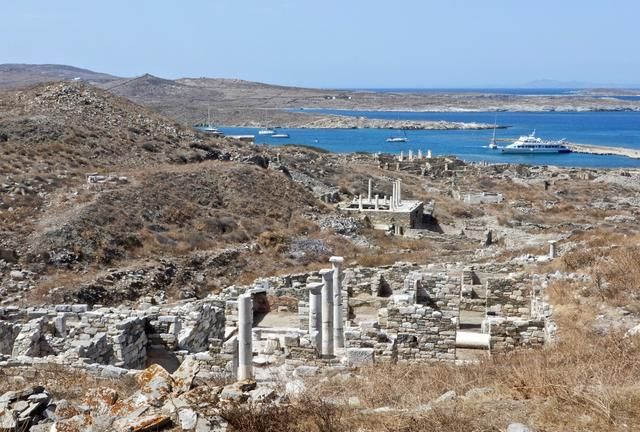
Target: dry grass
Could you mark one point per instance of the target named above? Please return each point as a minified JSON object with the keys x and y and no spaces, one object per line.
{"x":63,"y":382}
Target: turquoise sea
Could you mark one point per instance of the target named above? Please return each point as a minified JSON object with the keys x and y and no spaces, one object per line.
{"x":621,"y":129}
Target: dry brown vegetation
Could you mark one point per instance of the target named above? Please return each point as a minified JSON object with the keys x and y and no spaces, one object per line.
{"x":62,"y":381}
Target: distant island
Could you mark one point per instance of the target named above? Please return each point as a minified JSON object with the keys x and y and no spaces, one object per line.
{"x":235,"y":102}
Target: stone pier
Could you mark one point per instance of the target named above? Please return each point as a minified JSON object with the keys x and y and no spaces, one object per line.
{"x":327,"y":313}
{"x":338,"y":319}
{"x":245,"y":347}
{"x":315,"y":313}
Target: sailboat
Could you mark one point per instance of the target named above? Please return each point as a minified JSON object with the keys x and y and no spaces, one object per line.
{"x":266,"y":130}
{"x":208,"y":127}
{"x":398,"y":139}
{"x":492,"y":144}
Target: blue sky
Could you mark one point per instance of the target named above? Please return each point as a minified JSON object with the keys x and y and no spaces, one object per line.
{"x":334,"y":43}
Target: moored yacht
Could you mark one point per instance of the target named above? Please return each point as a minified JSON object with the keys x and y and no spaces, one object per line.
{"x":207,"y":127}
{"x":396,"y":139}
{"x":530,"y":144}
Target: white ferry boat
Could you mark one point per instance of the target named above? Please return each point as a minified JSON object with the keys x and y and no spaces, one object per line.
{"x":530,"y":144}
{"x":266,"y":131}
{"x":396,"y":139}
{"x":280,"y":135}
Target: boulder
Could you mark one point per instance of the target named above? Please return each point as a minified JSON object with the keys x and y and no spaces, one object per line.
{"x":155,"y":384}
{"x":8,"y":255}
{"x":445,"y":397}
{"x":188,"y":418}
{"x":183,"y":377}
{"x":357,"y":357}
{"x":16,"y":275}
{"x":8,"y":421}
{"x":262,"y":394}
{"x":149,"y":423}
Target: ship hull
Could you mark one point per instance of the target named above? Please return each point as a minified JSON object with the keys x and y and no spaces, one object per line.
{"x":534,"y":151}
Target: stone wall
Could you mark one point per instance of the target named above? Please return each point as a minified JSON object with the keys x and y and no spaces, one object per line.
{"x":369,"y":335}
{"x":129,"y":342}
{"x":115,"y":336}
{"x":478,"y":197}
{"x":418,"y":325}
{"x":509,"y":296}
{"x":421,"y":333}
{"x":8,"y":334}
{"x":508,"y":334}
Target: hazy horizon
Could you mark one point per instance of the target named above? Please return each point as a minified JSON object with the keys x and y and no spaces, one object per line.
{"x":410,"y":44}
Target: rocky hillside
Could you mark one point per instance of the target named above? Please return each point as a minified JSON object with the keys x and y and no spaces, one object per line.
{"x":158,"y":192}
{"x":15,"y":76}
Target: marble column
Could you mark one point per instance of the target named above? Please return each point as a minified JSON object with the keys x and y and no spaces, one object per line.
{"x":377,"y":202}
{"x":369,"y":195}
{"x":338,"y":319}
{"x":553,"y":252}
{"x":428,"y":154}
{"x":327,"y":313}
{"x":315,"y":313}
{"x":245,"y":347}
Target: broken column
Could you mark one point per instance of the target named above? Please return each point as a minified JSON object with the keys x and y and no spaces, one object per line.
{"x":419,"y":154}
{"x":360,"y":203}
{"x":392,"y":200}
{"x":315,"y":313}
{"x":369,"y":195}
{"x":327,"y":313}
{"x":401,"y":156}
{"x":411,"y":155}
{"x":399,"y":190}
{"x":428,"y":154}
{"x":553,"y":253}
{"x":338,"y":324}
{"x":245,"y":348}
{"x":377,"y":202}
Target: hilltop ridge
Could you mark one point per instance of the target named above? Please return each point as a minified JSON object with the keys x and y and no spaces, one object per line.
{"x":235,"y":102}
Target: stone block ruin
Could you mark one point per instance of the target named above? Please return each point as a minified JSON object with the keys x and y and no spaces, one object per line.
{"x":338,"y":316}
{"x":388,"y":212}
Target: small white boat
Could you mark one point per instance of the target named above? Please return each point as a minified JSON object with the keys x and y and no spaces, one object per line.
{"x":280,"y":135}
{"x":530,"y":144}
{"x":266,"y":131}
{"x":492,"y":144}
{"x":399,"y":139}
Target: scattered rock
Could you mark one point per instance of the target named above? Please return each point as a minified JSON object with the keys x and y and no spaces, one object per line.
{"x":519,"y":427}
{"x":448,"y":396}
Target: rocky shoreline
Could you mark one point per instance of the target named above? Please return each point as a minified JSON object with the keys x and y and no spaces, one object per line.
{"x":346,"y":122}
